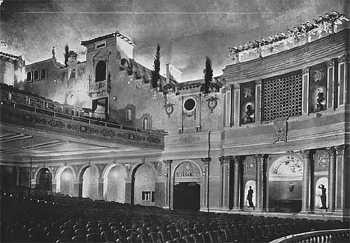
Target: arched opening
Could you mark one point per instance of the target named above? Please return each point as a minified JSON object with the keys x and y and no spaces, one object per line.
{"x":44,"y":180}
{"x":100,"y":71}
{"x":321,"y":193}
{"x":145,"y":123}
{"x":66,"y":181}
{"x":114,"y":184}
{"x":143,"y":185}
{"x":36,"y":75}
{"x":285,"y":184}
{"x":250,"y":194}
{"x":186,"y":194}
{"x":89,"y":183}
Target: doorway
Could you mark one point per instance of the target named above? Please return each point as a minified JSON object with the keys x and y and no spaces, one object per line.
{"x":187,"y":196}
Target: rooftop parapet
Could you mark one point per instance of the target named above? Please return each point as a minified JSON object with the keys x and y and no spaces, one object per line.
{"x":323,"y":26}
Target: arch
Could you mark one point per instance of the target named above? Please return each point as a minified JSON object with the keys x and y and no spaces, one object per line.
{"x":29,"y":76}
{"x":36,"y":75}
{"x":65,"y":179}
{"x":88,"y":181}
{"x":186,"y":190}
{"x":288,"y":167}
{"x":143,"y":185}
{"x":100,"y":71}
{"x":43,"y":179}
{"x":114,"y":179}
{"x":194,"y":172}
{"x":285,"y":184}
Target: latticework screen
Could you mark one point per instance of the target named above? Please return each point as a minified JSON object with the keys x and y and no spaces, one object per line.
{"x":282,"y":96}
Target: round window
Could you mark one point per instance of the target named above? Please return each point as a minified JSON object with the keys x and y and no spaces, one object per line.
{"x":189,"y":104}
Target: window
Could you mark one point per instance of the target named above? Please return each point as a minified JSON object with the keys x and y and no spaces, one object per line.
{"x":282,"y":96}
{"x":43,"y":74}
{"x":29,"y":76}
{"x":72,"y":74}
{"x":36,"y":75}
{"x":128,"y":114}
{"x":100,"y":71}
{"x":148,"y":196}
{"x":189,"y":104}
{"x":145,"y":123}
{"x":100,"y":44}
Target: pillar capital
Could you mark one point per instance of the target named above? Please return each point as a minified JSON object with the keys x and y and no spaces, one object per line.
{"x":331,"y":63}
{"x":206,"y":160}
{"x":340,"y":150}
{"x":225,"y":159}
{"x":236,"y":85}
{"x":306,"y":70}
{"x":258,"y":82}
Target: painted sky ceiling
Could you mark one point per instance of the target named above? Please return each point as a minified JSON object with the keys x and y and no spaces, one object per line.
{"x":186,"y":30}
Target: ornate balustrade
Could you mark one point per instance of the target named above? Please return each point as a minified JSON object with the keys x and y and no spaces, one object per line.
{"x":25,"y":113}
{"x":324,"y":236}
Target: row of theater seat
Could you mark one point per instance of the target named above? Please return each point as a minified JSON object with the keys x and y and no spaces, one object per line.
{"x":65,"y":219}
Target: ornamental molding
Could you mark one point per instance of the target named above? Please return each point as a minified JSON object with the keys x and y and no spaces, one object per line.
{"x":280,"y":130}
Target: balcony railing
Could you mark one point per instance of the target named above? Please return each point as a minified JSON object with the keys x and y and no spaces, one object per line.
{"x":23,"y":108}
{"x":324,"y":236}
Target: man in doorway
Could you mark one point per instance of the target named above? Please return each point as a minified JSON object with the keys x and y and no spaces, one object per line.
{"x":323,"y":196}
{"x":250,"y":197}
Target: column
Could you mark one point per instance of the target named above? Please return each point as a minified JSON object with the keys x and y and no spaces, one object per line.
{"x":343,"y":76}
{"x":228,"y":107}
{"x":100,"y":188}
{"x":339,"y":178}
{"x":236,"y":105}
{"x":330,"y":84}
{"x":225,"y":179}
{"x":259,"y":182}
{"x":78,"y":188}
{"x":168,"y":183}
{"x":206,"y":162}
{"x":236,"y":183}
{"x":18,"y":173}
{"x":331,"y":179}
{"x":306,"y":190}
{"x":258,"y":100}
{"x":305,"y":91}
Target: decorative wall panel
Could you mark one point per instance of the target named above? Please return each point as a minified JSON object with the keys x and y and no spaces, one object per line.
{"x":247,"y":102}
{"x":318,"y":88}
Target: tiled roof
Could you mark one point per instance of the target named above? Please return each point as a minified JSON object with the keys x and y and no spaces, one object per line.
{"x":118,"y":34}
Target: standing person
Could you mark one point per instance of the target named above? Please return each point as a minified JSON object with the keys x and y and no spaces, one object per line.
{"x":250,"y":197}
{"x":323,"y":196}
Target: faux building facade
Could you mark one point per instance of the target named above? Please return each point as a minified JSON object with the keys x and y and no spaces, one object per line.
{"x":272,"y":135}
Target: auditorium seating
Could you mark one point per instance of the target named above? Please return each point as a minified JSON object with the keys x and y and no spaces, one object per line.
{"x":66,"y":219}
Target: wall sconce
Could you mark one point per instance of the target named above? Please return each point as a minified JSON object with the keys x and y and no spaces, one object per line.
{"x":114,"y":98}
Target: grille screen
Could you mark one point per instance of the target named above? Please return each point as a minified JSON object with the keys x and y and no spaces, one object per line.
{"x":282,"y":96}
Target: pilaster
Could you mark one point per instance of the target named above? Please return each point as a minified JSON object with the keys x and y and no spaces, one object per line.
{"x":225,"y":181}
{"x":228,"y":105}
{"x":236,"y":183}
{"x":260,"y":161}
{"x":307,"y":180}
{"x":339,"y":178}
{"x":331,"y":179}
{"x":258,"y":98}
{"x":236,"y":94}
{"x":305,"y":91}
{"x":330,"y":83}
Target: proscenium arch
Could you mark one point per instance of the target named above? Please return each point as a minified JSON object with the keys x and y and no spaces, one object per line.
{"x":59,"y":173}
{"x":133,"y":173}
